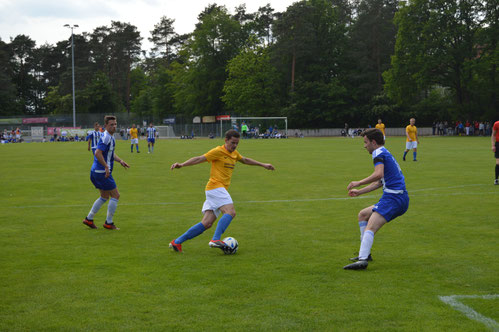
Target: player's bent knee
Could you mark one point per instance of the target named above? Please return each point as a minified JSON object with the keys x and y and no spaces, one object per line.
{"x":365,"y":214}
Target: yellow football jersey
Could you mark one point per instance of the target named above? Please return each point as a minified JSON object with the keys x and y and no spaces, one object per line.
{"x":381,"y":126}
{"x":412,"y":131}
{"x":222,"y":166}
{"x":134,"y":133}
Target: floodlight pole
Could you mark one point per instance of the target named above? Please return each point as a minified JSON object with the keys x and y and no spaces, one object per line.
{"x":73,"y":69}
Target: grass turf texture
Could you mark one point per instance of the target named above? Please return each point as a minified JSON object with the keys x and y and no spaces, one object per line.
{"x":296,"y":229}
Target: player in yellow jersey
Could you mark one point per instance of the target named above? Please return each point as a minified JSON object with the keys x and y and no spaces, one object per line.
{"x":134,"y":134}
{"x":412,"y":138}
{"x":381,"y":126}
{"x":223,"y":160}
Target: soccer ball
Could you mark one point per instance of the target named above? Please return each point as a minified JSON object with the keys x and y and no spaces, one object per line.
{"x":232,"y":245}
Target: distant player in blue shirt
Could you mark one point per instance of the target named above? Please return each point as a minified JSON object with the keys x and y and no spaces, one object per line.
{"x":151,"y":138}
{"x":93,"y":138}
{"x":101,"y":175}
{"x":393,"y":203}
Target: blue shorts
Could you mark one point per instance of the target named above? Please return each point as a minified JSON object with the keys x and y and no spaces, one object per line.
{"x":151,"y":140}
{"x":101,"y":182}
{"x":391,"y":206}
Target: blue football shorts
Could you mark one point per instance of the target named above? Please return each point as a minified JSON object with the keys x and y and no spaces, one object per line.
{"x":151,"y":140}
{"x":101,"y":182}
{"x":391,"y":206}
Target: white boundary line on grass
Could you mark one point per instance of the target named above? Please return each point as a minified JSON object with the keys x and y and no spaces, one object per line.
{"x":277,"y":200}
{"x":452,"y":301}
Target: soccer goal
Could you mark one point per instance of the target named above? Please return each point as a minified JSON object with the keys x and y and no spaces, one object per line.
{"x":165,"y":131}
{"x":257,"y":127}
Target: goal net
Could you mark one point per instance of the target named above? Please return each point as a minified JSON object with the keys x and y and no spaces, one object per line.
{"x":165,"y":131}
{"x":257,"y":127}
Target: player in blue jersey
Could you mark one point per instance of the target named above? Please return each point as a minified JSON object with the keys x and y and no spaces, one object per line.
{"x":93,"y":138}
{"x":151,"y":138}
{"x":101,"y":175}
{"x":393,"y":203}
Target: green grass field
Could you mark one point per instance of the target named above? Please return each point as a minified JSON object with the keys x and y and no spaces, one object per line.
{"x":296,"y":229}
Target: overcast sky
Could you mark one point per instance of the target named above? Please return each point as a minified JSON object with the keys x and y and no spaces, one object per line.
{"x":43,"y":20}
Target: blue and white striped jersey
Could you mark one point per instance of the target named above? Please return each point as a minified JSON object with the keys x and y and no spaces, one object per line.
{"x":106,"y":145}
{"x":393,"y":180}
{"x":95,"y":136}
{"x":151,"y":132}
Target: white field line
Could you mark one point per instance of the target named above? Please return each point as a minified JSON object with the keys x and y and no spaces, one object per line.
{"x":452,"y":300}
{"x":279,"y":200}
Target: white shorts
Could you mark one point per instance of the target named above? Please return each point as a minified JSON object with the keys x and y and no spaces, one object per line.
{"x":216,"y":198}
{"x":135,"y":141}
{"x":411,"y":145}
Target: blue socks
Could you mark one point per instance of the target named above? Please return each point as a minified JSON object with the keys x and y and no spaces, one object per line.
{"x":111,"y":208}
{"x":198,"y":228}
{"x":405,"y":154}
{"x":95,"y":208}
{"x":414,"y":154}
{"x":191,"y":233}
{"x":223,"y":223}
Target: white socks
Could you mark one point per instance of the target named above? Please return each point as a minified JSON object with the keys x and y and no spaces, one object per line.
{"x":95,"y":208}
{"x":366,"y":244}
{"x":362,"y":226}
{"x":111,"y":208}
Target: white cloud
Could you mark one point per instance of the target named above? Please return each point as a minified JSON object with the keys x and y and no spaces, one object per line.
{"x":43,"y":20}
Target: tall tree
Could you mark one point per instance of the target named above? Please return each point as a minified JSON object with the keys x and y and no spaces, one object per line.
{"x":8,"y":105}
{"x":436,"y":46}
{"x":216,"y":40}
{"x":310,"y":52}
{"x":125,"y":43}
{"x":252,"y":85}
{"x":22,"y":50}
{"x":164,"y":38}
{"x":372,"y":42}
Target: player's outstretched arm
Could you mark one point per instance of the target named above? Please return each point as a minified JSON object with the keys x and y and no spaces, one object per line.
{"x":121,"y":161}
{"x":249,"y":161}
{"x":190,"y":162}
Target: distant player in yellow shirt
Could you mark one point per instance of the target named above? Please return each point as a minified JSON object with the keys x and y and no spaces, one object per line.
{"x":134,"y":134}
{"x":381,"y":126}
{"x":412,"y":138}
{"x":223,"y":160}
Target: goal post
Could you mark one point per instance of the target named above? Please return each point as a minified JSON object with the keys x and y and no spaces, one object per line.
{"x":263,"y":126}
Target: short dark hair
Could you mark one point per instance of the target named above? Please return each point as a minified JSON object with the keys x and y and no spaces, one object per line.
{"x":231,"y":133}
{"x":108,"y":118}
{"x":374,"y":134}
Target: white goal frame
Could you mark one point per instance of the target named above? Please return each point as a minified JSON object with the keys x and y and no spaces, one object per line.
{"x":285,"y":118}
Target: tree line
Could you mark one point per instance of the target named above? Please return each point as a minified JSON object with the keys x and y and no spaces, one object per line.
{"x":321,"y":63}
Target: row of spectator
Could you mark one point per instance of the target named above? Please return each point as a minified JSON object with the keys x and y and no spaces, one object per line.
{"x":460,"y":128}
